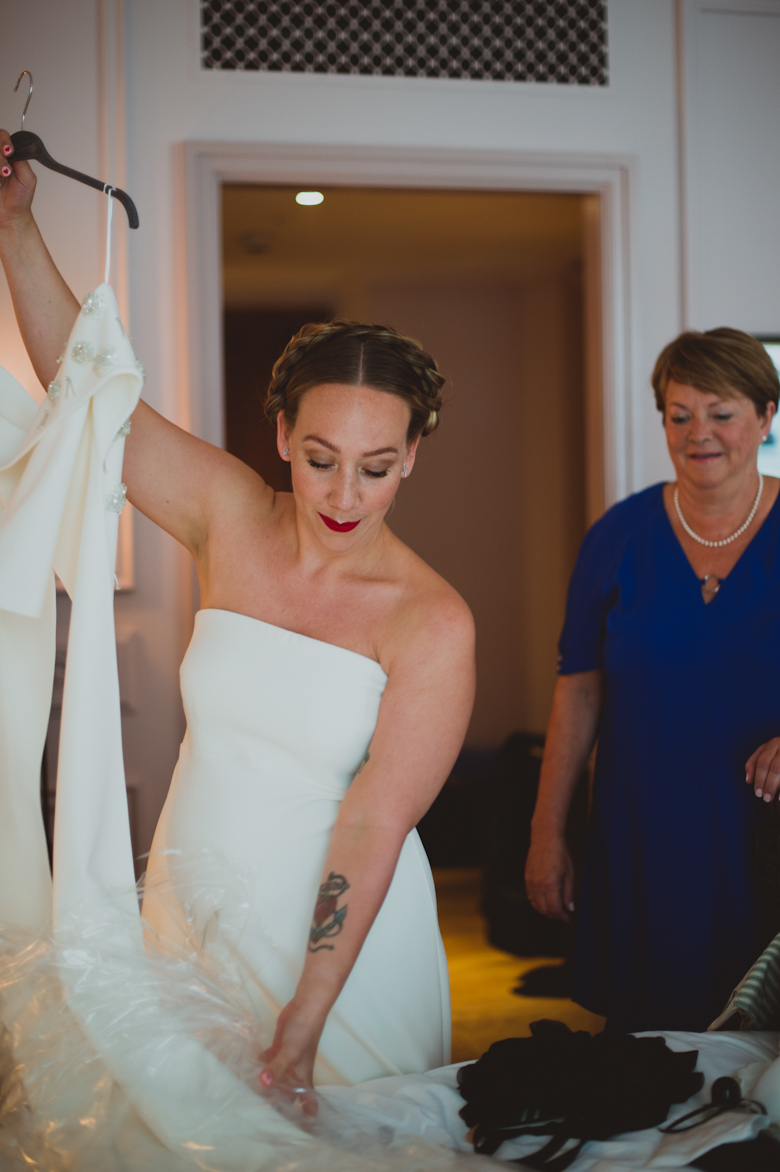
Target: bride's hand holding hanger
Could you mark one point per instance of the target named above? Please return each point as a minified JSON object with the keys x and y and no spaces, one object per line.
{"x":45,"y":307}
{"x":17,"y":183}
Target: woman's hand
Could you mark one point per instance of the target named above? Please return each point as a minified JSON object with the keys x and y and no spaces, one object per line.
{"x":290,"y":1057}
{"x":762,"y":770}
{"x":549,"y":878}
{"x":18,"y":183}
{"x":574,"y":721}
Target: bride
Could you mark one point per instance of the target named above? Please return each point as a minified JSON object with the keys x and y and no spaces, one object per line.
{"x":327,"y":688}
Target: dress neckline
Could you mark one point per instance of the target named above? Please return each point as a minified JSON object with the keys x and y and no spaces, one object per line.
{"x":294,"y":634}
{"x":740,"y":560}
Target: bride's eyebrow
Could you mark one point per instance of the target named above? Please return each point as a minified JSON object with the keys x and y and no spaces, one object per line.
{"x":323,"y":443}
{"x":332,"y":447}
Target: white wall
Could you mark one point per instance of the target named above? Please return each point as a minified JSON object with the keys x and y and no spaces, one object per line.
{"x":732,"y":99}
{"x":168,"y":102}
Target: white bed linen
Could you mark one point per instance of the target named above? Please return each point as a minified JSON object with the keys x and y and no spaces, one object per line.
{"x":427,"y":1105}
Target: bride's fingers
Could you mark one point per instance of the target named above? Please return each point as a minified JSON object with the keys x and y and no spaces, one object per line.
{"x":20,"y":171}
{"x":289,"y":1088}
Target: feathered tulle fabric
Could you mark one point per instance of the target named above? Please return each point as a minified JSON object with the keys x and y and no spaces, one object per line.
{"x":114,"y":1059}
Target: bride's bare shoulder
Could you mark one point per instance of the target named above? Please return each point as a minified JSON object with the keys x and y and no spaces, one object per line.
{"x":431,"y":613}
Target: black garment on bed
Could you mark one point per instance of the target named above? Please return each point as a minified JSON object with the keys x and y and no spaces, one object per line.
{"x":572,"y":1086}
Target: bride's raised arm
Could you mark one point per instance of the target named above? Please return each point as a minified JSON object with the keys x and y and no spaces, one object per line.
{"x":177,"y":480}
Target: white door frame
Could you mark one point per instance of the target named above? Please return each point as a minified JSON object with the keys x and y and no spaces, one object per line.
{"x":610,"y":450}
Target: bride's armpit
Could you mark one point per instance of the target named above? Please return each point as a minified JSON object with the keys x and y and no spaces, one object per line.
{"x":328,"y":919}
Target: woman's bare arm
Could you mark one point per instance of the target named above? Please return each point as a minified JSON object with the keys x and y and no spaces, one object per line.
{"x":422,"y":721}
{"x":571,"y":735}
{"x":44,"y":305}
{"x":177,"y":480}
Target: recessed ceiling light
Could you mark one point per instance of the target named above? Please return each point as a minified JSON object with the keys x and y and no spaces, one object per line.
{"x":309,"y":198}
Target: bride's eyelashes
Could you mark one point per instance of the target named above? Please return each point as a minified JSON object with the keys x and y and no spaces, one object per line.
{"x":373,"y":474}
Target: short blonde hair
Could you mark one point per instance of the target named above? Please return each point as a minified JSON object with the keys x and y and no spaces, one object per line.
{"x":724,"y":361}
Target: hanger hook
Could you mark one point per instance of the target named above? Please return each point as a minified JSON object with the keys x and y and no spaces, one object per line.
{"x":16,"y":87}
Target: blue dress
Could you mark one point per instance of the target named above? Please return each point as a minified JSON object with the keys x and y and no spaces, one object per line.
{"x":667,"y":921}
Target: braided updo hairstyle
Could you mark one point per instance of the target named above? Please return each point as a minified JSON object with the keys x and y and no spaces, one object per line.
{"x":356,"y":354}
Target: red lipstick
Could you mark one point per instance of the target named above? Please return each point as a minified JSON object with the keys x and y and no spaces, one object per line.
{"x":346,"y":527}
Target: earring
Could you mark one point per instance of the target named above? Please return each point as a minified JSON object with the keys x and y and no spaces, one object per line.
{"x":286,"y":451}
{"x":403,"y":473}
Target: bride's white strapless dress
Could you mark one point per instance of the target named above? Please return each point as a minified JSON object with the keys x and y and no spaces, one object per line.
{"x":278,"y":724}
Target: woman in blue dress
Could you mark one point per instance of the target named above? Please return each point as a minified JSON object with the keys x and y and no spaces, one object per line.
{"x":670,"y":657}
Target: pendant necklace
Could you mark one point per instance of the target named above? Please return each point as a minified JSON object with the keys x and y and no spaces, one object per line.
{"x":706,"y":588}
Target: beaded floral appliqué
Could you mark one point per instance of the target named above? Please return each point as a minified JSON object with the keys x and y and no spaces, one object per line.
{"x":83,"y":352}
{"x":141,"y":368}
{"x":117,"y":499}
{"x":103,"y":360}
{"x":124,"y":430}
{"x":92,"y":305}
{"x":53,"y":390}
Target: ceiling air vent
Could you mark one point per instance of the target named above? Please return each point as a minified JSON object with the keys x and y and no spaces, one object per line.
{"x":563,"y":42}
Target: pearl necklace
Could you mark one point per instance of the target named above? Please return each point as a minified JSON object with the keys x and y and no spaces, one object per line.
{"x":726,"y":540}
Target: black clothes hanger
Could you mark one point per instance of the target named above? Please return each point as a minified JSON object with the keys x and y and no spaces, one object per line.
{"x":29,"y":146}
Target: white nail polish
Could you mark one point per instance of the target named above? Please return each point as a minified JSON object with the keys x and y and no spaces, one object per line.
{"x":767,"y":797}
{"x":759,"y":792}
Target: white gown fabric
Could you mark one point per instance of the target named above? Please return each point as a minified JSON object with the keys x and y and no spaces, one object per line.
{"x":277,"y":726}
{"x":60,"y":498}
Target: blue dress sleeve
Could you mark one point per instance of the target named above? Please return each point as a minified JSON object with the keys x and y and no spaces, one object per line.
{"x":594,"y":587}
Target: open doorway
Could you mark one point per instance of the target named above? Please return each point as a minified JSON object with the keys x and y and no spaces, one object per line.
{"x":493,"y":284}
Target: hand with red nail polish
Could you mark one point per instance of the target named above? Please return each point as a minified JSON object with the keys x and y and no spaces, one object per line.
{"x":18,"y":185}
{"x":290,"y":1057}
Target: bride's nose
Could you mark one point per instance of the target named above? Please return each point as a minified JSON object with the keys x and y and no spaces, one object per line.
{"x":345,"y":490}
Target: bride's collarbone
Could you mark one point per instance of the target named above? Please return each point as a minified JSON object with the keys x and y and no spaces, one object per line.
{"x":256,"y":573}
{"x":356,"y":615}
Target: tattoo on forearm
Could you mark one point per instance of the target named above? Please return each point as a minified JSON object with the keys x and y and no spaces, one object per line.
{"x":328,"y":918}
